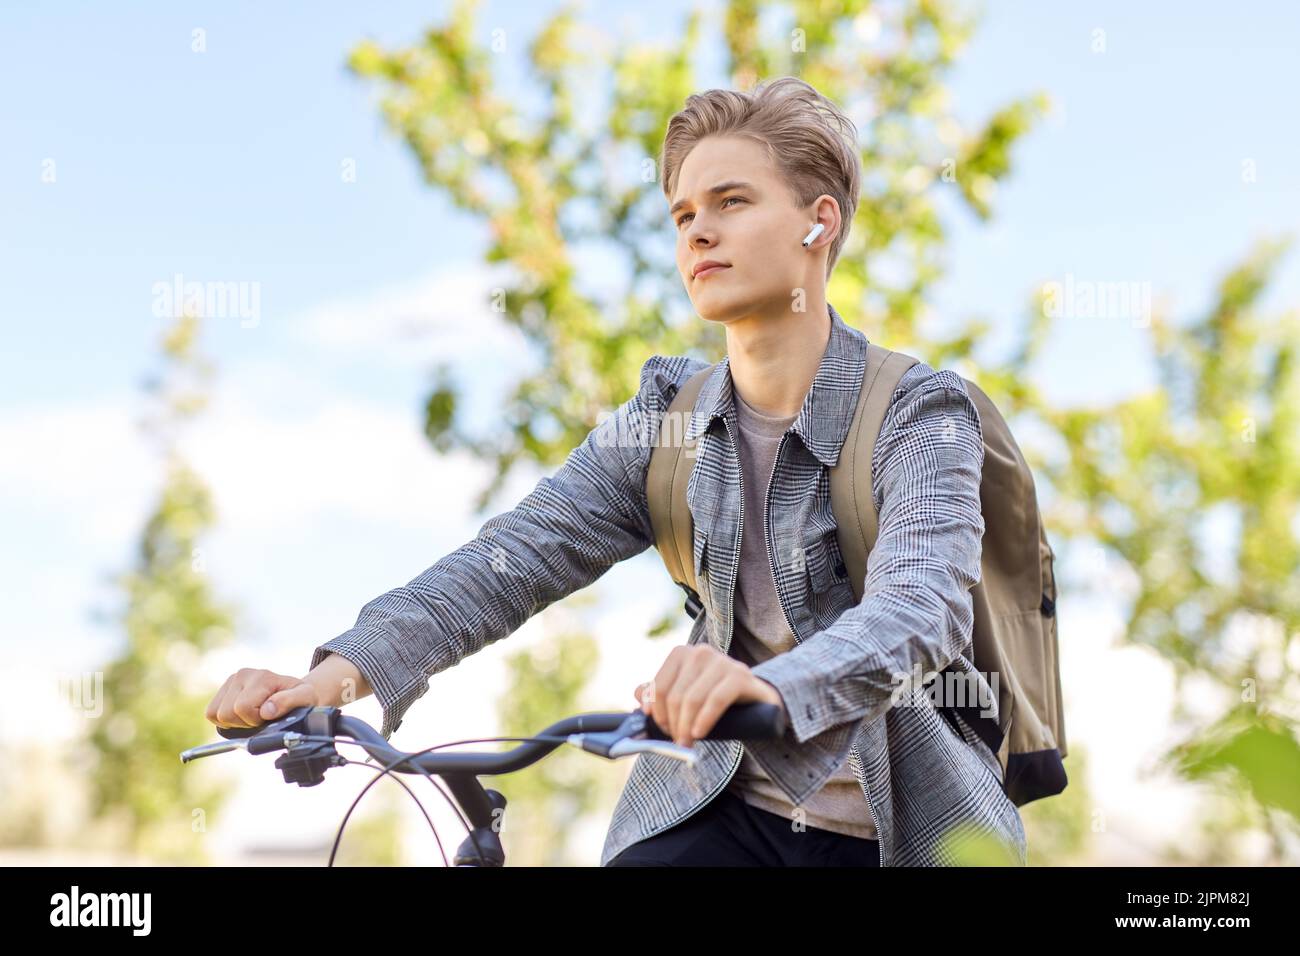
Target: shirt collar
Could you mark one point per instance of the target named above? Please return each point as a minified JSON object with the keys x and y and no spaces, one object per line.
{"x":827,"y":410}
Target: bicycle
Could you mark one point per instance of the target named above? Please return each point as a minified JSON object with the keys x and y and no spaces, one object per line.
{"x":308,"y":736}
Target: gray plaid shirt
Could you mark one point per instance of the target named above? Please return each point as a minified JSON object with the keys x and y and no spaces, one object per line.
{"x":920,"y":775}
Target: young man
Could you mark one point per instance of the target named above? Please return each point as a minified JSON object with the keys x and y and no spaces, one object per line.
{"x":863,"y":776}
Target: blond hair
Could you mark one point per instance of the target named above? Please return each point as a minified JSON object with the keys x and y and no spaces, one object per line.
{"x":807,"y":137}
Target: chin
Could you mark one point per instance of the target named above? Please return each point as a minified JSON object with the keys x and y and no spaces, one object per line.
{"x":717,"y":306}
{"x":708,"y":313}
{"x":714,"y":314}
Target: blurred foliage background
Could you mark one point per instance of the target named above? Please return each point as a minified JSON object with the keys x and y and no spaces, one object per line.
{"x":1130,"y":483}
{"x":1133,"y":481}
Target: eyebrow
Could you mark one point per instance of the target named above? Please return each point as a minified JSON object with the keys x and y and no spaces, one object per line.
{"x":714,"y":190}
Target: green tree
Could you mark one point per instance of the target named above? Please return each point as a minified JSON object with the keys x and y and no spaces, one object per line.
{"x":553,"y":187}
{"x":152,"y":705}
{"x":549,"y":187}
{"x":375,"y":838}
{"x":1192,"y":488}
{"x":544,"y":801}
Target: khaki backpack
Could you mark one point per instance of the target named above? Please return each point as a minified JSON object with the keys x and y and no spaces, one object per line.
{"x":1014,"y":602}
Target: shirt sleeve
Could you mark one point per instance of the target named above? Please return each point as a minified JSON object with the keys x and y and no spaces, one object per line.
{"x":916,"y":609}
{"x":567,"y":532}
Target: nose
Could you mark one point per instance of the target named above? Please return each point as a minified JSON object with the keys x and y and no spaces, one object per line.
{"x":701,"y":242}
{"x":698,"y":231}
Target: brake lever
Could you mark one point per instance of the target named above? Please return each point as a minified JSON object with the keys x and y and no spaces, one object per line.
{"x":207,"y":750}
{"x":291,"y":726}
{"x":304,"y":733}
{"x":632,"y":737}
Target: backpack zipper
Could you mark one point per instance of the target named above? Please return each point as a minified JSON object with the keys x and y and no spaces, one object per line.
{"x":771,"y":557}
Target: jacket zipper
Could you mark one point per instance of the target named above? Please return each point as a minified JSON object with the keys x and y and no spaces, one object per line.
{"x":735,"y":570}
{"x":740,"y":524}
{"x":771,"y":557}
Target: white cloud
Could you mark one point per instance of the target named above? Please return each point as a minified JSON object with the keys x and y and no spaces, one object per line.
{"x":364,"y":459}
{"x":284,"y":453}
{"x":88,"y":465}
{"x":80,"y":460}
{"x":446,"y":316}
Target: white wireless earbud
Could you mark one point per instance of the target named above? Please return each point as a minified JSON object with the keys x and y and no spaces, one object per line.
{"x":813,"y":233}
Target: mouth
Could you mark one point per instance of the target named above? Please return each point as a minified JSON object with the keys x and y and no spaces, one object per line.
{"x":710,"y":271}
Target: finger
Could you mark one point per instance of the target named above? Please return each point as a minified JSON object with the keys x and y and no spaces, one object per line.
{"x":694,"y":683}
{"x":645,"y":696}
{"x":661,"y":689}
{"x":226,"y":716}
{"x":723,"y":694}
{"x":248,"y":704}
{"x":300,"y":694}
{"x":215,"y":703}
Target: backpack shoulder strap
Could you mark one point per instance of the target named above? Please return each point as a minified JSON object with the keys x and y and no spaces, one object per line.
{"x":666,"y":478}
{"x":852,"y":501}
{"x":1014,"y":633}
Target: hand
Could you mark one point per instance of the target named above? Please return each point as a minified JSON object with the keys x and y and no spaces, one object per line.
{"x":695,"y":686}
{"x":250,"y":698}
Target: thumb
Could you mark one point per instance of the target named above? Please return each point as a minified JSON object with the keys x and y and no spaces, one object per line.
{"x":297,"y":694}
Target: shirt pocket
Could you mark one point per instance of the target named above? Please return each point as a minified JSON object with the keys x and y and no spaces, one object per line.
{"x":700,"y":563}
{"x":829,"y":593}
{"x":823,"y":562}
{"x":700,"y":556}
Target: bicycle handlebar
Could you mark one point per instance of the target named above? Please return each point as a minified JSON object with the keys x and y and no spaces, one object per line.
{"x":308,"y":734}
{"x":610,"y":734}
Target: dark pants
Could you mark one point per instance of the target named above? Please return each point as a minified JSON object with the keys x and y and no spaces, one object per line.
{"x":729,"y":832}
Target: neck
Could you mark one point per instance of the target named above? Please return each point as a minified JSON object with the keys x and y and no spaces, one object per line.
{"x":774,"y":358}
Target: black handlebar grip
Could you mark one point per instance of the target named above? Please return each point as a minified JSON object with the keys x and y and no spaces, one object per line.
{"x":752,"y":720}
{"x":286,"y":722}
{"x":238,"y":733}
{"x":266,"y":744}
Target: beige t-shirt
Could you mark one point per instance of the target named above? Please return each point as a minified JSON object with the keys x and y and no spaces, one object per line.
{"x":762,"y":631}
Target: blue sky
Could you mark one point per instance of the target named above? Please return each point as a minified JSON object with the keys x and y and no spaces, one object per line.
{"x":228,"y":163}
{"x":225,"y":166}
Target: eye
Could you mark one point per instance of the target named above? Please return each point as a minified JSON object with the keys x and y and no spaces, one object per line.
{"x":724,"y":203}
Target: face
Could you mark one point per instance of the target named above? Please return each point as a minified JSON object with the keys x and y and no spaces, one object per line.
{"x":756,"y":229}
